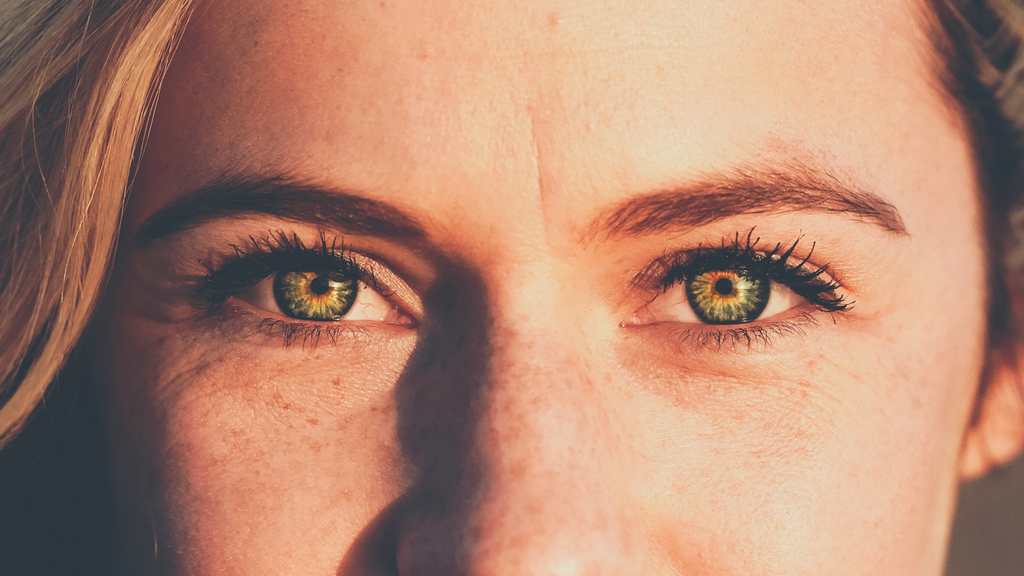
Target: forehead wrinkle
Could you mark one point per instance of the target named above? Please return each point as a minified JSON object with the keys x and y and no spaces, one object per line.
{"x":548,"y":54}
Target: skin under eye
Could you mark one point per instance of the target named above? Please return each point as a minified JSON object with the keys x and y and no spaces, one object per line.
{"x":709,"y":300}
{"x":323,"y":297}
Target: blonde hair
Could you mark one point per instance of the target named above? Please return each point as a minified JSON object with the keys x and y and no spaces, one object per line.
{"x":78,"y":79}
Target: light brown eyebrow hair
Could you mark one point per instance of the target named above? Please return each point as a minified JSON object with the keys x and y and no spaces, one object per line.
{"x":744,"y":192}
{"x":290,"y":200}
{"x":699,"y":203}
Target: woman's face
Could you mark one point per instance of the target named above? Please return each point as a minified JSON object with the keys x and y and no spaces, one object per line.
{"x":493,"y":288}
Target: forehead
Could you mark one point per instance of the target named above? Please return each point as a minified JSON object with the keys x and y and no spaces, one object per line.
{"x":545,"y":104}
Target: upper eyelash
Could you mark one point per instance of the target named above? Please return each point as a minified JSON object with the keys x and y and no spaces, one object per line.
{"x":775,"y":264}
{"x":278,"y":252}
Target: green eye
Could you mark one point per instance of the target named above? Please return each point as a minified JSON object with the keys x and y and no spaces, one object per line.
{"x":312,"y":296}
{"x":728,"y":296}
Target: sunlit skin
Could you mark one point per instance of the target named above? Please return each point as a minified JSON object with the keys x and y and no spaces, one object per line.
{"x":518,"y":403}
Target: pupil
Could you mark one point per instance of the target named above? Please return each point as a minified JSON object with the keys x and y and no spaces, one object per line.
{"x":723,"y":286}
{"x":320,"y":285}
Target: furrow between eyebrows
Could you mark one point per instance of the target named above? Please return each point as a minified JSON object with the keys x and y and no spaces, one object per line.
{"x":281,"y":198}
{"x":746,"y":192}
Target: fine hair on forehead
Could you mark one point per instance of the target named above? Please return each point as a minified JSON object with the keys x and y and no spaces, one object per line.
{"x":78,"y":83}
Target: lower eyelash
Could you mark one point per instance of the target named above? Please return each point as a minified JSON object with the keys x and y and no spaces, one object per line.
{"x":761,"y":336}
{"x":235,"y":323}
{"x":309,"y":334}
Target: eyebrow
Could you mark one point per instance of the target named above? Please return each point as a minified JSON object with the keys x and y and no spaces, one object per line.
{"x":699,"y":203}
{"x":745,"y":192}
{"x":282,"y":198}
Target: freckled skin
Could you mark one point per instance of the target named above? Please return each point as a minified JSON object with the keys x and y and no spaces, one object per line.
{"x":523,"y":427}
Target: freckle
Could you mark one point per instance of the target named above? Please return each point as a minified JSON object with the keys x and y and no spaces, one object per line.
{"x":279,"y":400}
{"x":313,"y":421}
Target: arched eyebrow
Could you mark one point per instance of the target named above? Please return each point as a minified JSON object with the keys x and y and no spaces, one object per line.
{"x":743,"y":192}
{"x":689,"y":206}
{"x":281,"y":198}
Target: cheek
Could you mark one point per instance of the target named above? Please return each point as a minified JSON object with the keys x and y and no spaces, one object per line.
{"x":783,"y":474}
{"x":824,"y":449}
{"x":256,"y":456}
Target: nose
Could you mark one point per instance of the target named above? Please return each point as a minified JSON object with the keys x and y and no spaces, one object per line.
{"x":543,"y":484}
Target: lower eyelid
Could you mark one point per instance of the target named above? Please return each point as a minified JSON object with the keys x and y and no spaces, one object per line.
{"x":743,"y":336}
{"x":237,"y":323}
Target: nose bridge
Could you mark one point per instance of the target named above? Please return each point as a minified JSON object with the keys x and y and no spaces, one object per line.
{"x":547,"y":450}
{"x":541,"y":421}
{"x":539,"y":405}
{"x":541,"y":495}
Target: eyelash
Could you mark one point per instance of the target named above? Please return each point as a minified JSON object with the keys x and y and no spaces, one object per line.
{"x":278,"y":252}
{"x":261,"y":258}
{"x":741,"y":255}
{"x":743,"y":336}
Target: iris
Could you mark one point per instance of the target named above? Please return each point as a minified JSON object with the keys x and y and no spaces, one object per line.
{"x":313,"y":296}
{"x":728,"y":296}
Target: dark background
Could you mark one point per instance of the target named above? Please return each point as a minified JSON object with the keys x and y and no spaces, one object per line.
{"x":988,"y":531}
{"x":53,"y":519}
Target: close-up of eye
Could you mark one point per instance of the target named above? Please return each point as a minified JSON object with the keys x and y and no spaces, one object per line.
{"x":738,"y":284}
{"x":323,"y":284}
{"x":323,"y":297}
{"x":720,"y":297}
